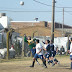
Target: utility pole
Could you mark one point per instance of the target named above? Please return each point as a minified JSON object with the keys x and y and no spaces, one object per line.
{"x":63,"y":23}
{"x":53,"y":15}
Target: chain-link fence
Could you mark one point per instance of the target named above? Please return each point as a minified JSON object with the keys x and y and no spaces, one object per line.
{"x":40,"y":32}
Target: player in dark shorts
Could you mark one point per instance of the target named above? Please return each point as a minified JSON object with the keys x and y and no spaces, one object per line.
{"x":53,"y":53}
{"x":39,"y":54}
{"x":47,"y":51}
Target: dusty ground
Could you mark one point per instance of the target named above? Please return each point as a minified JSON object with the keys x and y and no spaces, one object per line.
{"x":22,"y":65}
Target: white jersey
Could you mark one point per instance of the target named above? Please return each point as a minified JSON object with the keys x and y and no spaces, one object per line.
{"x":71,"y":48}
{"x":38,"y":47}
{"x":55,"y":47}
{"x":45,"y":45}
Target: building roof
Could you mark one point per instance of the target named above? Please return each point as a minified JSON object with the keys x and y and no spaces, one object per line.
{"x":26,"y":21}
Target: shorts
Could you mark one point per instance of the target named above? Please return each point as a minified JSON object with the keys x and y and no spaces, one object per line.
{"x":33,"y":51}
{"x":36,"y":56}
{"x":47,"y":55}
{"x":55,"y":52}
{"x":52,"y":54}
{"x":70,"y":57}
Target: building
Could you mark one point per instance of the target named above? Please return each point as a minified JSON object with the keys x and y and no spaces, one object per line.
{"x":38,"y":28}
{"x":20,"y":24}
{"x":59,"y":25}
{"x":4,"y":21}
{"x":30,"y":27}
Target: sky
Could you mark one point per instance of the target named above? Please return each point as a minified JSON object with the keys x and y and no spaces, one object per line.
{"x":14,"y":10}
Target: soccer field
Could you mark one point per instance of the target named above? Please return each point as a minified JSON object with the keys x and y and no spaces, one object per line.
{"x":22,"y":65}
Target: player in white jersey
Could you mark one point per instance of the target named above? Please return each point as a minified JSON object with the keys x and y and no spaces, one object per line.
{"x":39,"y":54}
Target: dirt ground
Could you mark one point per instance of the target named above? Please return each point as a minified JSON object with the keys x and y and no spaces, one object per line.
{"x":23,"y":66}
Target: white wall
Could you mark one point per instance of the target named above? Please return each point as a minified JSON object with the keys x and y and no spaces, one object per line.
{"x":4,"y":21}
{"x":61,"y":41}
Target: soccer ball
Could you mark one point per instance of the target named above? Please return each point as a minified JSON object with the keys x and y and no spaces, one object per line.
{"x":21,"y":3}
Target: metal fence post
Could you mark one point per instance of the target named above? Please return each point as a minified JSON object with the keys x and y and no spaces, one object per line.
{"x":23,"y":47}
{"x":8,"y":44}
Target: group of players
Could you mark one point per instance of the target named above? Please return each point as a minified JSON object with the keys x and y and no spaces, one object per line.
{"x":46,"y":53}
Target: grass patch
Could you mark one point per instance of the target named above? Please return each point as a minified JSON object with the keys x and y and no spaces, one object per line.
{"x":16,"y":59}
{"x":28,"y":58}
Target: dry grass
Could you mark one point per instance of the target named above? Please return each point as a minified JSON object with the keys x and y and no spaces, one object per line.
{"x":22,"y":65}
{"x":41,"y":31}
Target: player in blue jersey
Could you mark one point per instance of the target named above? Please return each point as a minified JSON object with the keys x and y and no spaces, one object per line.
{"x":47,"y":51}
{"x":53,"y":53}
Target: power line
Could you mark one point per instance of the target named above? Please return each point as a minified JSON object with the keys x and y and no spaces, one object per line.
{"x":49,"y":5}
{"x":27,"y":11}
{"x":39,"y":3}
{"x":42,"y":3}
{"x":63,"y":7}
{"x":68,"y":13}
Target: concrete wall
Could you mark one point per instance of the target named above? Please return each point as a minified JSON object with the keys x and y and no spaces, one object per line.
{"x":21,"y":24}
{"x":4,"y":22}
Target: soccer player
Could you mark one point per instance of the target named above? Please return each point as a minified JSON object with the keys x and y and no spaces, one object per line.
{"x":71,"y":52}
{"x":55,"y":50}
{"x":53,"y":53}
{"x":31,"y":44}
{"x":44,"y":48}
{"x":39,"y":54}
{"x":47,"y":51}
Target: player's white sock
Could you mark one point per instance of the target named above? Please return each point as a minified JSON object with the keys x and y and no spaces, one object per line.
{"x":38,"y":63}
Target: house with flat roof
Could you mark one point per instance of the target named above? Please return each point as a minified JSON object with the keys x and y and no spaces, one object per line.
{"x":20,"y":24}
{"x":4,"y":21}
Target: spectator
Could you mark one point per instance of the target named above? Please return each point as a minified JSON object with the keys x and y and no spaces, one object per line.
{"x":62,"y":51}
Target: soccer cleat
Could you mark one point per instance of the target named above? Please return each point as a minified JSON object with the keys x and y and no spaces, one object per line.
{"x":53,"y":64}
{"x":31,"y":66}
{"x":45,"y":66}
{"x":58,"y":62}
